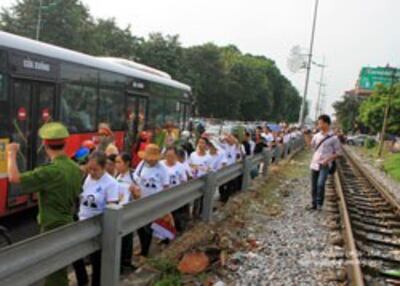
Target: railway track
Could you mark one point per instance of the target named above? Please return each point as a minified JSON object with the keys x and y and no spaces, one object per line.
{"x":370,"y":220}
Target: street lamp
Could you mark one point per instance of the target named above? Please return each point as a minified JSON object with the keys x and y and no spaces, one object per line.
{"x":303,"y":104}
{"x":321,"y":85}
{"x":39,"y":20}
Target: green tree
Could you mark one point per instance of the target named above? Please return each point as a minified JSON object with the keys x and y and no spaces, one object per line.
{"x":65,"y":23}
{"x":205,"y":72}
{"x":253,"y":91}
{"x":109,"y":40}
{"x":347,"y":112}
{"x":162,"y":52}
{"x":372,"y":109}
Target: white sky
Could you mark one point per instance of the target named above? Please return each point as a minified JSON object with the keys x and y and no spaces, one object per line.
{"x":350,"y":33}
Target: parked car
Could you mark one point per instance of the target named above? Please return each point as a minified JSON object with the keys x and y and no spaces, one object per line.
{"x":359,"y":140}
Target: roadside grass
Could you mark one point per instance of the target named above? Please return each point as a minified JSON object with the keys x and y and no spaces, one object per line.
{"x":390,"y":163}
{"x":392,"y":166}
{"x":170,"y":275}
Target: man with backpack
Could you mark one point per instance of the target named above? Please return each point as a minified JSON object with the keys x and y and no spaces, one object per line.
{"x":327,"y":148}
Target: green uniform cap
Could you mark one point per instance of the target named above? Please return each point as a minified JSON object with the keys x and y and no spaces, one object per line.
{"x":53,"y":131}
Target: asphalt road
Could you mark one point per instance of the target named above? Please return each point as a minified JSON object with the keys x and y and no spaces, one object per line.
{"x":21,"y":225}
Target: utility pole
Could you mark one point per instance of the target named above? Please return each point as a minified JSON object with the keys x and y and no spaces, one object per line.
{"x":39,"y":20}
{"x":321,"y":86}
{"x":304,"y":102}
{"x":387,"y":110}
{"x":322,"y":101}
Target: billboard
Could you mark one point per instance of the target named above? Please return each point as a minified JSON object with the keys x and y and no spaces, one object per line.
{"x":369,"y":76}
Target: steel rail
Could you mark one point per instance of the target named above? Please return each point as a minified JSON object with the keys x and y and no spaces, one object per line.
{"x":353,"y":266}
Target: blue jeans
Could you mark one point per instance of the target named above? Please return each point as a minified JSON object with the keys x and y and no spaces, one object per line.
{"x":318,"y":180}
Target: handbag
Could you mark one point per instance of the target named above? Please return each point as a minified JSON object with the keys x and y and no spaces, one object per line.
{"x":333,"y":167}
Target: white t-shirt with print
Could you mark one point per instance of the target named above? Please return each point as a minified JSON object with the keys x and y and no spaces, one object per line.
{"x":200,"y":165}
{"x":218,"y":160}
{"x":125,"y":181}
{"x":267,"y":137}
{"x":177,"y":173}
{"x":231,"y":153}
{"x":187,"y":168}
{"x":151,"y":180}
{"x":96,"y":194}
{"x":286,"y":138}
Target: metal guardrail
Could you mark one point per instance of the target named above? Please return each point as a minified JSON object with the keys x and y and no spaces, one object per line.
{"x":33,"y":259}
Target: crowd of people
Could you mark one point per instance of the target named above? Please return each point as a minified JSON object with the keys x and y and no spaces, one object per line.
{"x":158,"y":161}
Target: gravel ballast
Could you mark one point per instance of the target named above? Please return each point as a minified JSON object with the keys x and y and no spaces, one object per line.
{"x":295,"y":245}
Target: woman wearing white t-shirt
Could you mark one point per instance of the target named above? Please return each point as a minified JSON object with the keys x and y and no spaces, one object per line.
{"x":183,"y":159}
{"x":176,"y":170}
{"x":150,"y":177}
{"x":99,"y":190}
{"x":217,"y":154}
{"x":199,"y":161}
{"x":232,"y":153}
{"x":126,"y":185}
{"x":177,"y":175}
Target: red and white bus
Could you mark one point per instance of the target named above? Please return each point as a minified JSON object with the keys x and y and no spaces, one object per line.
{"x":41,"y":83}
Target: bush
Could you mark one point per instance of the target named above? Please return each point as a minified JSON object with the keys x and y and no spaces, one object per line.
{"x":369,"y":143}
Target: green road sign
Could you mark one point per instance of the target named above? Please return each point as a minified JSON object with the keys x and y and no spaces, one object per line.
{"x":369,"y":77}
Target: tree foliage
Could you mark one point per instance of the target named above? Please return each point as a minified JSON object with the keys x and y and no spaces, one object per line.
{"x":372,"y":110}
{"x":347,"y":112}
{"x":226,"y":83}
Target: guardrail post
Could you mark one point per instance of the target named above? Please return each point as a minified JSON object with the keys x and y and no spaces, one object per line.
{"x":278,"y":154}
{"x":266,"y":160}
{"x":111,"y":245}
{"x":285,"y":150}
{"x":247,"y":166}
{"x":208,"y":199}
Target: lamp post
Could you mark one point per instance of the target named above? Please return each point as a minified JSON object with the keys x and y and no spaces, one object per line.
{"x":303,"y":104}
{"x":39,"y":20}
{"x":321,"y":85}
{"x":387,"y":110}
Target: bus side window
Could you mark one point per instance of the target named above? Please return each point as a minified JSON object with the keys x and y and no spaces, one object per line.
{"x":112,"y":108}
{"x":78,"y":107}
{"x":2,"y":87}
{"x":156,"y":111}
{"x":171,"y":112}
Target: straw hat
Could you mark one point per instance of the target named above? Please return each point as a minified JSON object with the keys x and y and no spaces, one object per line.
{"x":152,"y":152}
{"x":105,"y":131}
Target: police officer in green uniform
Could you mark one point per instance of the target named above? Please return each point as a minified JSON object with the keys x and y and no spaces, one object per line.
{"x":58,"y":184}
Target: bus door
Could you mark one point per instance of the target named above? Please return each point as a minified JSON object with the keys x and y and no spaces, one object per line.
{"x":136,"y":119}
{"x":33,"y":106}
